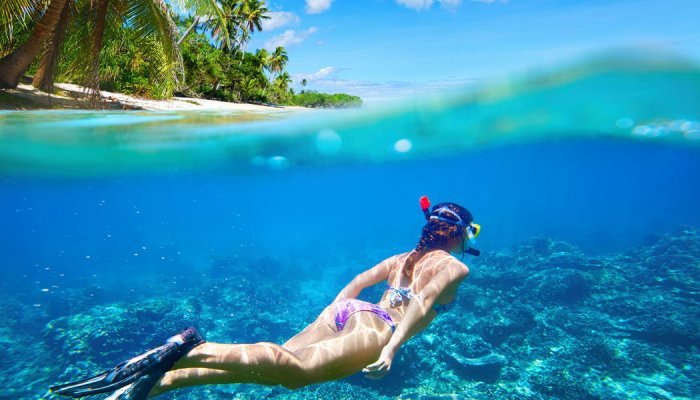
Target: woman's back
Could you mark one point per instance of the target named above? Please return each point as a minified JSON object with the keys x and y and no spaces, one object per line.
{"x":402,"y":287}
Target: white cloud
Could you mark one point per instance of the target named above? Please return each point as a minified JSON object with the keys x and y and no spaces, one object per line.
{"x":317,"y":6}
{"x":448,"y":4}
{"x":416,"y":4}
{"x":279,"y":19}
{"x":451,"y":4}
{"x":289,"y":38}
{"x":322,"y":73}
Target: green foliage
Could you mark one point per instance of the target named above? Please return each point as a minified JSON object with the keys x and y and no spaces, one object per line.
{"x":16,"y":19}
{"x":221,"y":75}
{"x":127,"y":68}
{"x":139,"y":52}
{"x":324,"y":100}
{"x":217,"y":74}
{"x":129,"y":63}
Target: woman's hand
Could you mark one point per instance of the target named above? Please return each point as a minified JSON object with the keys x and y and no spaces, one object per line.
{"x":381,"y":367}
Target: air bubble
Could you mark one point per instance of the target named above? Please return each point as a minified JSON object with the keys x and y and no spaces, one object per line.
{"x":277,"y":162}
{"x":328,"y":142}
{"x":403,"y":145}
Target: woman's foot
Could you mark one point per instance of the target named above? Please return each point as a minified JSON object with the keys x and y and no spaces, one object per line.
{"x":154,"y":362}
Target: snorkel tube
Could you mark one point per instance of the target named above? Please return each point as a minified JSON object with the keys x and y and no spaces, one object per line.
{"x":425,"y":206}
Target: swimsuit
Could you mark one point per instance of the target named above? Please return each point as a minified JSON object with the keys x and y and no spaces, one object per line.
{"x":345,"y":308}
{"x":398,"y":293}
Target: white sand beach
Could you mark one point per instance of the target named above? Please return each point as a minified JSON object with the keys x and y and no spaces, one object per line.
{"x":73,"y":96}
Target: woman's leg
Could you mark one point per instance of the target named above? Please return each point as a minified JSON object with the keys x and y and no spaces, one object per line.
{"x":215,"y":363}
{"x":209,"y":365}
{"x":323,"y":326}
{"x":334,"y":356}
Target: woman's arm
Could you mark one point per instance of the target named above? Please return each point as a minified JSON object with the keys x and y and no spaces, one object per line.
{"x":417,"y":310}
{"x":372,"y":276}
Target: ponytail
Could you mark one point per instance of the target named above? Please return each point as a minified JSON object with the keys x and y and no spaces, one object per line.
{"x":413,"y":257}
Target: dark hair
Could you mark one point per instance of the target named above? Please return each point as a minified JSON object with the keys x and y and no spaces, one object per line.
{"x":438,"y":232}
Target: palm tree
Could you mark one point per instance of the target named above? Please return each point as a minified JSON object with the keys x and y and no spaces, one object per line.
{"x":218,"y":26}
{"x":250,"y":14}
{"x":149,"y":18}
{"x":250,"y":88}
{"x":282,"y":82}
{"x":263,"y":59}
{"x":278,"y":60}
{"x":13,"y":65}
{"x":15,"y":16}
{"x":195,"y":22}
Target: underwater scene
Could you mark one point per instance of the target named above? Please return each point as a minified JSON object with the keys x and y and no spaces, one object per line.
{"x":119,"y":229}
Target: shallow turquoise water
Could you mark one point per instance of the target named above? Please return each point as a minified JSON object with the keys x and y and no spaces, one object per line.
{"x":103,"y":208}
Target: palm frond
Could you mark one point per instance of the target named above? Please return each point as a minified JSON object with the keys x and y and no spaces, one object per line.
{"x":168,"y":73}
{"x":16,"y":16}
{"x":151,"y":19}
{"x":18,"y":10}
{"x":207,"y":8}
{"x":77,"y":49}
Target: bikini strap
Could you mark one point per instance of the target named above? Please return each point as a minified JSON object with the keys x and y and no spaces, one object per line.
{"x":398,"y":293}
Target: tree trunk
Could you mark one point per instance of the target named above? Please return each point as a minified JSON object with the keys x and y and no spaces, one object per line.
{"x":187,"y":32}
{"x":44,"y":76}
{"x":244,"y":42}
{"x":15,"y":64}
{"x":92,"y":80}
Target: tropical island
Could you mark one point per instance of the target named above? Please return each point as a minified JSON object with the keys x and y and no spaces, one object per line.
{"x":144,"y":54}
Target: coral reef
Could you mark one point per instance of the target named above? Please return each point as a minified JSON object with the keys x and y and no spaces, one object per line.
{"x":540,"y":321}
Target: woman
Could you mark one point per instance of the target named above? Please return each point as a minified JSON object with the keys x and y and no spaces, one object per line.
{"x":348,"y":336}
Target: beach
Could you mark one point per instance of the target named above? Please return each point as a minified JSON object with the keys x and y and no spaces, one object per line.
{"x":71,"y":96}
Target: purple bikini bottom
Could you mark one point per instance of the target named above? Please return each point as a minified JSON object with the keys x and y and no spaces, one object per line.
{"x":345,"y":308}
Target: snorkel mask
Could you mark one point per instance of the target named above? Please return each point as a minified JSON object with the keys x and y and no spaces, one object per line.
{"x":445,"y":214}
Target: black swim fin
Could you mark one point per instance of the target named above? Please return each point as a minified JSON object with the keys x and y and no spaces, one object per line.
{"x":138,"y":390}
{"x":156,"y":361}
{"x":91,"y":385}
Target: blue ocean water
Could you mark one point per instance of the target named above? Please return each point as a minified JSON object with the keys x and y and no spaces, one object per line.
{"x":119,"y":228}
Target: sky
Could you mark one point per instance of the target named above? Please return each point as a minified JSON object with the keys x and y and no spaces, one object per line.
{"x":387,"y":49}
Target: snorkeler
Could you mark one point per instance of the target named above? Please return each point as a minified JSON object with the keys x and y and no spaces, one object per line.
{"x":342,"y":341}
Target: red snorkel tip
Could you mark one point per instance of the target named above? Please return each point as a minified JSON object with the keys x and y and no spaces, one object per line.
{"x":425,"y":206}
{"x":424,"y":202}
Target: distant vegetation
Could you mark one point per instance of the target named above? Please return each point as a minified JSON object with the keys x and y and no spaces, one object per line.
{"x":323,"y":100}
{"x":141,"y":47}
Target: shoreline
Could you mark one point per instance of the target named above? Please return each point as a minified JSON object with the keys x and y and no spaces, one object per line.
{"x":71,"y":96}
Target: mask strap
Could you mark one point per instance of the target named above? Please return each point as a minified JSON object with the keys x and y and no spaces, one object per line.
{"x":448,"y":211}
